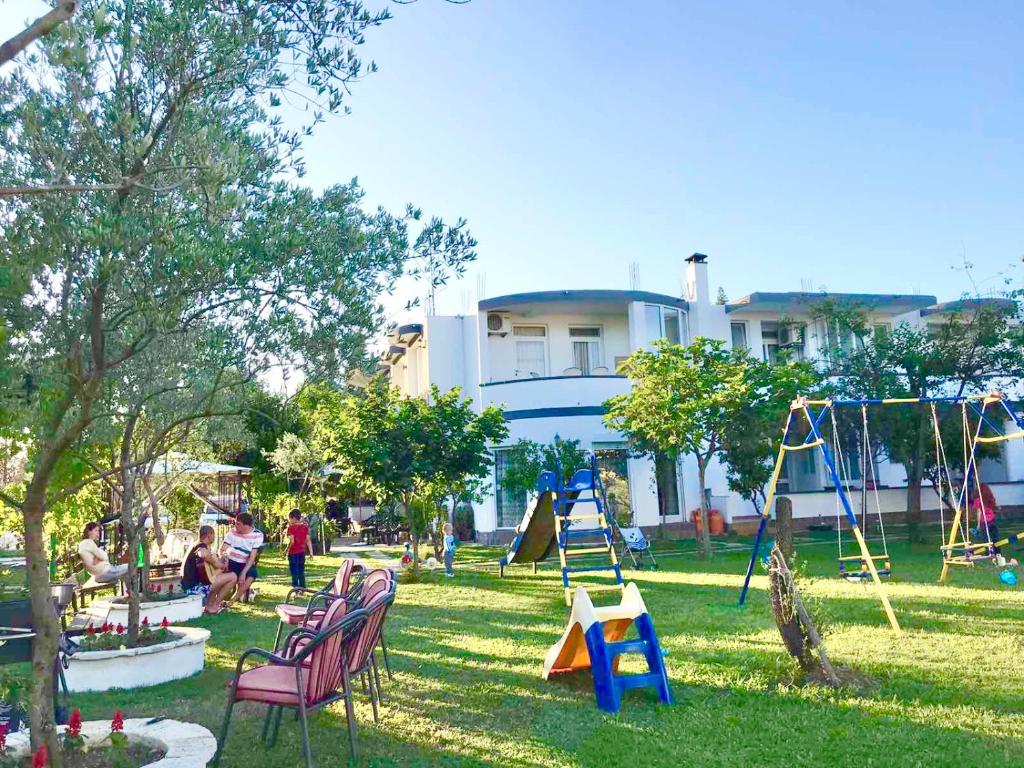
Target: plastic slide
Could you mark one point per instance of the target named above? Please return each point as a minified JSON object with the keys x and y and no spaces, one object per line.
{"x":535,"y":534}
{"x":594,"y":640}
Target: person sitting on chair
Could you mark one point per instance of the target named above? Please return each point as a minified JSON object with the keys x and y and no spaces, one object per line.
{"x":95,"y":559}
{"x":242,"y":544}
{"x":203,"y":573}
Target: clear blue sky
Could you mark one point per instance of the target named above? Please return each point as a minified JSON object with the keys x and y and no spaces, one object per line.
{"x":862,"y":147}
{"x":857,"y":146}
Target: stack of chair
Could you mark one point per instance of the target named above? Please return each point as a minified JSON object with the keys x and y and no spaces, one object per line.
{"x":334,"y":643}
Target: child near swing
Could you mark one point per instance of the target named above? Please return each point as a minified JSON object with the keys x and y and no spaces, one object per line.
{"x":984,"y":506}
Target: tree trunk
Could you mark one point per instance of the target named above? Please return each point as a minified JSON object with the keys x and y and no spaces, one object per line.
{"x":414,"y":533}
{"x":915,"y":468}
{"x":131,"y":537}
{"x":784,"y":526}
{"x":44,"y":623}
{"x":704,"y":531}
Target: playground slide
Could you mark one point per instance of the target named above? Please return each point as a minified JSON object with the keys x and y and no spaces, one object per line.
{"x":535,"y":535}
{"x":594,"y":640}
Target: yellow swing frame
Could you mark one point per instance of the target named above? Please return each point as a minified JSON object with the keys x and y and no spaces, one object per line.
{"x":972,"y":552}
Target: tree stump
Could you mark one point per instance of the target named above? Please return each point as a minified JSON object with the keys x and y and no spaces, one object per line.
{"x":784,"y":526}
{"x":799,"y":634}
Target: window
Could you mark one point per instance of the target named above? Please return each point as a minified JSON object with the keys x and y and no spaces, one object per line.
{"x":531,"y":350}
{"x":776,"y":337}
{"x":670,"y":321}
{"x":586,"y":348}
{"x":739,"y":335}
{"x":612,"y":463}
{"x":510,"y":506}
{"x":665,"y":323}
{"x":880,"y":329}
{"x":770,"y":340}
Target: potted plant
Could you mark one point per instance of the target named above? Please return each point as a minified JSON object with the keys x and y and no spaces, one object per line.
{"x":12,"y":694}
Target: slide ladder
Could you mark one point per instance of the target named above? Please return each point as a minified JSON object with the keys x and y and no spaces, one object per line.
{"x":571,"y":509}
{"x":594,"y":639}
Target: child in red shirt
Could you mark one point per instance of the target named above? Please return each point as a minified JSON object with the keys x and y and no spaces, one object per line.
{"x":298,"y":545}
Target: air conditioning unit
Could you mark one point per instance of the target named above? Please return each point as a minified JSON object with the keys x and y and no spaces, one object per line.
{"x":791,"y":335}
{"x":498,"y":324}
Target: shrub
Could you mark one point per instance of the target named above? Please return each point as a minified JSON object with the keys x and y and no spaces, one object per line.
{"x":464,"y":523}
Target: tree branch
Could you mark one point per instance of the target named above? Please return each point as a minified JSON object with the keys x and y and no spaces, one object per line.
{"x":44,"y":25}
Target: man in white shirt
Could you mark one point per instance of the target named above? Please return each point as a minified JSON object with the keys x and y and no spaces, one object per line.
{"x":95,"y":559}
{"x":242,"y":545}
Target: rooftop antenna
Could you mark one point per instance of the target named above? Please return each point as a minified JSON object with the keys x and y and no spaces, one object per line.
{"x":481,"y":286}
{"x":806,"y":284}
{"x":634,"y":276}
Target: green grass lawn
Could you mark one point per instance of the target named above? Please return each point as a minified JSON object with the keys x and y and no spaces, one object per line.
{"x":467,"y":655}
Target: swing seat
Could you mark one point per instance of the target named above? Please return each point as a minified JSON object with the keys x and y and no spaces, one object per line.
{"x":864,"y":572}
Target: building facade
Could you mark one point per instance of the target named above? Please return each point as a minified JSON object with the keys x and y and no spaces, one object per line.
{"x":550,"y":359}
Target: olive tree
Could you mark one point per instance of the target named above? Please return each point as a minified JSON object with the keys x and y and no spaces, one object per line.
{"x":147,"y":216}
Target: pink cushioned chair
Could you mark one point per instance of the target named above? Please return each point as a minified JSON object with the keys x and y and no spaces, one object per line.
{"x":298,"y":613}
{"x":313,"y":676}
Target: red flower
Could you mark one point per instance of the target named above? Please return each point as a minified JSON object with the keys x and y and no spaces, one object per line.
{"x":3,"y":739}
{"x":145,"y":621}
{"x":90,"y":630}
{"x":106,"y":627}
{"x":75,"y":724}
{"x":119,"y":629}
{"x":165,"y":623}
{"x":117,"y":724}
{"x":41,"y":758}
{"x":157,"y":588}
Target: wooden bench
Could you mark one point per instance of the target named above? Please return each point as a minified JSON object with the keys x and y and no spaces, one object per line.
{"x":86,"y":587}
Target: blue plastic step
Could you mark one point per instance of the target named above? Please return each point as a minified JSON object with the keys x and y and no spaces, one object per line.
{"x":590,"y":569}
{"x":627,"y":682}
{"x":593,"y":532}
{"x":627,"y":646}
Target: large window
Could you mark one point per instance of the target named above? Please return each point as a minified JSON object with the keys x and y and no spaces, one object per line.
{"x":531,"y":342}
{"x":510,"y":506}
{"x":612,"y":463}
{"x":586,"y":348}
{"x":665,"y":323}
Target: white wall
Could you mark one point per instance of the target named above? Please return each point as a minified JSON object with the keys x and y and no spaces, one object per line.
{"x":501,"y":349}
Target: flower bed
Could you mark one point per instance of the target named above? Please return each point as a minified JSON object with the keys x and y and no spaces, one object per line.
{"x":109,"y":637}
{"x":177,"y":609}
{"x":181,"y":655}
{"x":130,"y":743}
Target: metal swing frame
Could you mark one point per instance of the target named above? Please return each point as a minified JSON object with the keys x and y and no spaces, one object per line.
{"x":958,"y":549}
{"x":801,"y":411}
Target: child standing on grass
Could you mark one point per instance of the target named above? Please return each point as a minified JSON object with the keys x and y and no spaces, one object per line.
{"x":298,"y":545}
{"x":449,"y":549}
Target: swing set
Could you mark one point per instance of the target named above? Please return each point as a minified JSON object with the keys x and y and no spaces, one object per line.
{"x":959,"y":550}
{"x":803,"y":432}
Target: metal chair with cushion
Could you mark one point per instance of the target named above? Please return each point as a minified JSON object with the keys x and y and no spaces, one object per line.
{"x":295,"y":614}
{"x":304,"y":677}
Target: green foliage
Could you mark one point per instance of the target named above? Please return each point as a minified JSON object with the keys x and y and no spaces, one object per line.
{"x":701,"y":399}
{"x":409,"y":450}
{"x":165,"y":262}
{"x":973,"y":350}
{"x":464,"y":523}
{"x":526,"y":459}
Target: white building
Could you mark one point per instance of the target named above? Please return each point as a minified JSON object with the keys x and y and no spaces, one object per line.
{"x":550,"y":359}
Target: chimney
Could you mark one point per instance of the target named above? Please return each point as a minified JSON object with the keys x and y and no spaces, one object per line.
{"x":697,"y":290}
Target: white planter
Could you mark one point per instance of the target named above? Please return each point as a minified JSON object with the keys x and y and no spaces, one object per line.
{"x":176,"y":611}
{"x":139,"y":667}
{"x":187,"y":745}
